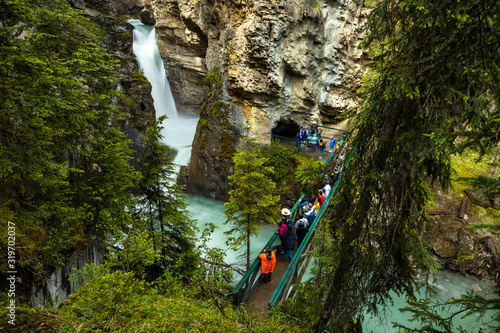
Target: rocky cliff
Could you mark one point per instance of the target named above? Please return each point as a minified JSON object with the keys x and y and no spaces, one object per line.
{"x":280,"y":63}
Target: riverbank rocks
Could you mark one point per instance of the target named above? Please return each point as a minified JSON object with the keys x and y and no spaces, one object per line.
{"x":454,"y":240}
{"x":477,"y":197}
{"x":472,"y":252}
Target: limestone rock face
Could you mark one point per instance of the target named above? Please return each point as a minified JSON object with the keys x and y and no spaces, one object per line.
{"x":182,"y":36}
{"x":472,"y":252}
{"x":282,"y":62}
{"x":136,"y":101}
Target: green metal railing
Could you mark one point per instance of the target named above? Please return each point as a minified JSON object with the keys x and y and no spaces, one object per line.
{"x":250,"y":280}
{"x":333,"y":128}
{"x":244,"y":289}
{"x":303,"y":148}
{"x":300,"y":259}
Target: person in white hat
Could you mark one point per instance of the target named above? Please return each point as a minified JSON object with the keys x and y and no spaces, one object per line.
{"x":285,"y":212}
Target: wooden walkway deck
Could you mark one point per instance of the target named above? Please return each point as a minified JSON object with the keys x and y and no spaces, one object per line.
{"x":259,"y":300}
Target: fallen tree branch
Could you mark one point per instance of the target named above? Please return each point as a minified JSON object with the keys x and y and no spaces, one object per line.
{"x":439,"y":211}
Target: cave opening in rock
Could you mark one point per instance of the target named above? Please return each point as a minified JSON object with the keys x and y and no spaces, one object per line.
{"x":286,"y":128}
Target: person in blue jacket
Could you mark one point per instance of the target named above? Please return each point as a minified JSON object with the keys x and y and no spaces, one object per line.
{"x":332,"y":144}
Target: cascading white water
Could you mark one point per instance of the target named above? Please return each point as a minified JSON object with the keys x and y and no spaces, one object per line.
{"x":179,"y":129}
{"x":178,"y":133}
{"x":150,"y":63}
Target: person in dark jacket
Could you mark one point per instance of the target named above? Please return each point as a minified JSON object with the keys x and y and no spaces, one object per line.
{"x":301,"y":227}
{"x":281,"y":234}
{"x":289,"y":242}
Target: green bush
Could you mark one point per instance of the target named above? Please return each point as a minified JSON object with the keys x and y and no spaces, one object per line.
{"x":101,"y":299}
{"x":308,"y":175}
{"x":283,"y":160}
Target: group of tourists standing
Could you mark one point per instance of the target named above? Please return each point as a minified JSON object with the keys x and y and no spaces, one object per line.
{"x":311,"y":137}
{"x":291,"y":233}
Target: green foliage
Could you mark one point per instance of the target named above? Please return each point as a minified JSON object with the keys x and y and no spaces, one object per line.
{"x":476,"y":170}
{"x":214,"y":275}
{"x":141,"y":78}
{"x":308,"y":176}
{"x":251,"y":202}
{"x":64,"y":172}
{"x":88,"y":273}
{"x":435,"y":89}
{"x":283,"y":161}
{"x":106,"y":297}
{"x":214,"y":77}
{"x":118,"y":303}
{"x":429,"y":313}
{"x":162,"y":208}
{"x":135,"y":253}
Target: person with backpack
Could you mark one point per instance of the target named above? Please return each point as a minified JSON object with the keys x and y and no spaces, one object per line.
{"x":301,"y":227}
{"x":289,"y":243}
{"x":310,"y":213}
{"x":326,"y":189}
{"x":335,"y":176}
{"x":302,"y":204}
{"x":303,"y":134}
{"x":285,"y":214}
{"x":267,"y":263}
{"x":313,"y":142}
{"x":321,"y":197}
{"x":281,"y":234}
{"x":297,"y":142}
{"x":322,"y":147}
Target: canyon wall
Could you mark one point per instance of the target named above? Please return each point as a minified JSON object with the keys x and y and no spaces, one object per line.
{"x":278,"y":64}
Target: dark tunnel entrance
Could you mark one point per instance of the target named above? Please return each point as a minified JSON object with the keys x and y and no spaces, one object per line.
{"x":286,"y":128}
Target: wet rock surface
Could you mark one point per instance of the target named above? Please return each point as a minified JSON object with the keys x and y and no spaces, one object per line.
{"x":458,"y":246}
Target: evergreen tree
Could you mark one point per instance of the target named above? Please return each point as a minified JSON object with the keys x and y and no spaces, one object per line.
{"x":162,"y":204}
{"x":64,"y":172}
{"x":433,"y":89}
{"x":251,"y":203}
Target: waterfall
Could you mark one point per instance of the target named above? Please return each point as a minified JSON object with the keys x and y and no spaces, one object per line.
{"x":179,"y":129}
{"x":178,"y":133}
{"x":151,"y":65}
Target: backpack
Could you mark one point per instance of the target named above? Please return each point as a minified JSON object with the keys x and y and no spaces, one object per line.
{"x":301,"y":226}
{"x":322,"y":145}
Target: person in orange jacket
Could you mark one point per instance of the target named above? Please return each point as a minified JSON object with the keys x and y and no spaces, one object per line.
{"x":267,"y":263}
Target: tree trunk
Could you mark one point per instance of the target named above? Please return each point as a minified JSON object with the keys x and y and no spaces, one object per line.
{"x":248,"y":249}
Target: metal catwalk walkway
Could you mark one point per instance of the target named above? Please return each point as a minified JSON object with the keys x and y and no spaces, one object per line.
{"x":260,"y":296}
{"x":259,"y":300}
